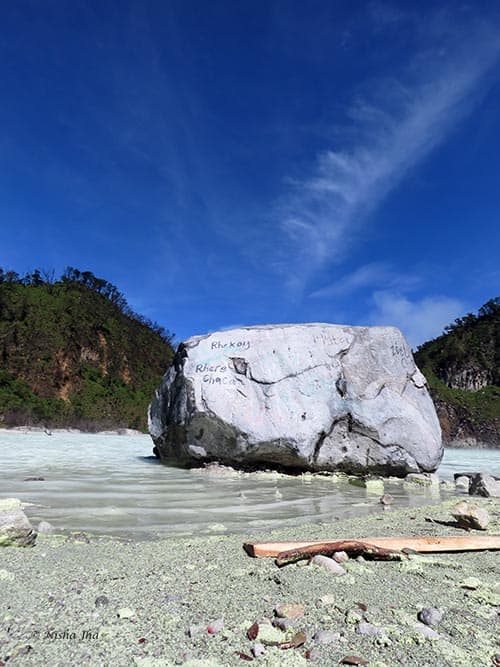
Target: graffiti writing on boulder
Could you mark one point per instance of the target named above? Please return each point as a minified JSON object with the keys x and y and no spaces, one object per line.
{"x":230,"y":345}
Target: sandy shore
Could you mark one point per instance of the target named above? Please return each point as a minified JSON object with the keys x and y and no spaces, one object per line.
{"x":110,"y":602}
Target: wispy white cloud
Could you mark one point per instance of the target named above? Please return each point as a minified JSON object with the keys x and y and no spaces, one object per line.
{"x":374,"y":275}
{"x":368,"y":275}
{"x":393,"y":127}
{"x":420,"y":320}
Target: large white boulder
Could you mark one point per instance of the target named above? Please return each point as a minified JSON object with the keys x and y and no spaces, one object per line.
{"x":303,"y":396}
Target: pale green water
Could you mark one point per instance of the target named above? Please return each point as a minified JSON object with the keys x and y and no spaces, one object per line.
{"x":112,"y":484}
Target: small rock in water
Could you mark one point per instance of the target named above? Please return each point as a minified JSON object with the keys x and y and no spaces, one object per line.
{"x":430,"y":616}
{"x":386,"y":499}
{"x":371,"y":484}
{"x":45,"y":527}
{"x":470,"y":516}
{"x":364,"y":628}
{"x":289,"y":610}
{"x":421,"y":479}
{"x":482,"y":484}
{"x":328,"y":564}
{"x":340,"y":557}
{"x":462,"y":483}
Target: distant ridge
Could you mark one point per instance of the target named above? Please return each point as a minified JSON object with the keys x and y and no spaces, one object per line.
{"x":462,"y":368}
{"x":74,"y":354}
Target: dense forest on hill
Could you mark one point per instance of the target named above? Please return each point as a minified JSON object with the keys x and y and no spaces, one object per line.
{"x":73,"y":353}
{"x":462,"y":368}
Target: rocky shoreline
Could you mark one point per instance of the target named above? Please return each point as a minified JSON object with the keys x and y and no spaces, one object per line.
{"x":82,"y":599}
{"x":24,"y":430}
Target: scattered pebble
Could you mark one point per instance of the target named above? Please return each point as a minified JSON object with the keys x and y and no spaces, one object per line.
{"x":328,"y":564}
{"x":125,"y":612}
{"x":269,"y":634}
{"x":243,"y":656}
{"x":353,"y":660}
{"x":426,"y":631}
{"x":78,"y":537}
{"x":471,"y":516}
{"x":471,"y":583}
{"x":289,"y":609}
{"x":364,"y":628}
{"x":430,"y":616}
{"x":258,"y":650}
{"x":253,"y":631}
{"x":196,"y":631}
{"x":326,"y":637}
{"x":101,"y":601}
{"x":353,"y":617}
{"x":340,"y":557}
{"x":284,"y":623}
{"x":215,"y":626}
{"x":312,"y":654}
{"x":326,"y":600}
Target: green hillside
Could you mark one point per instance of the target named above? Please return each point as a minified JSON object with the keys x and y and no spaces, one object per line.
{"x":73,"y":353}
{"x":462,"y":368}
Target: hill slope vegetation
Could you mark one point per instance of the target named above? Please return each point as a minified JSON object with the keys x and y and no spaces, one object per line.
{"x":462,"y":368}
{"x":73,"y":353}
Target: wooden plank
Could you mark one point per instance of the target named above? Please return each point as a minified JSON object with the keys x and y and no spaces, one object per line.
{"x":428,"y":544}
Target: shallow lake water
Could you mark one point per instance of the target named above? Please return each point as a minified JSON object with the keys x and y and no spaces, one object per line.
{"x":110,"y":484}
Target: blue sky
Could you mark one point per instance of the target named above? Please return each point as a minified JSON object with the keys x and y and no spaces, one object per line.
{"x":237,"y":163}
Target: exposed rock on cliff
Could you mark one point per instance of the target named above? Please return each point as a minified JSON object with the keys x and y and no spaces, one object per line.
{"x":463,"y":370}
{"x":312,"y":396}
{"x":72,"y":353}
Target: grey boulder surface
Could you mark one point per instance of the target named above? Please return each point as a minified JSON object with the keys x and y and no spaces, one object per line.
{"x":297,"y":396}
{"x":15,"y":528}
{"x":482,"y":484}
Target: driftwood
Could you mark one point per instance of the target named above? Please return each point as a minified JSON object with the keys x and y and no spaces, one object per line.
{"x":428,"y":544}
{"x":351,"y":547}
